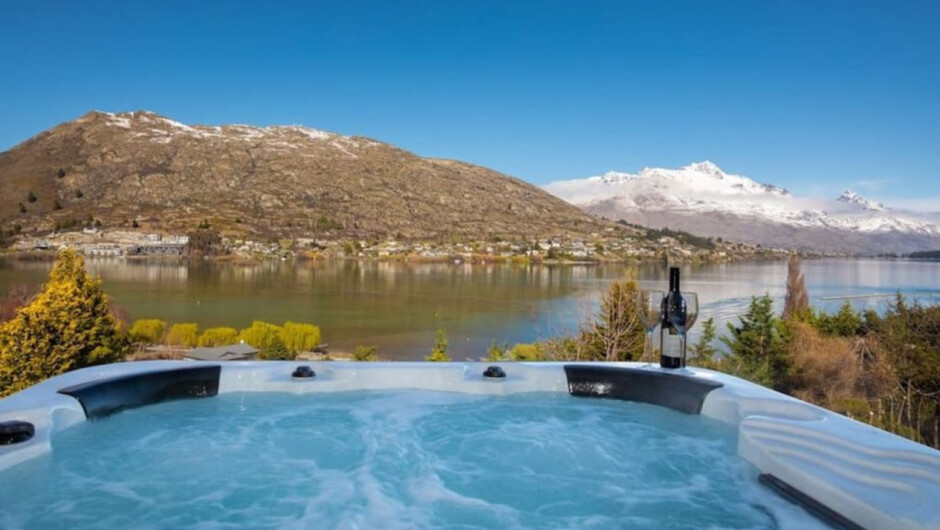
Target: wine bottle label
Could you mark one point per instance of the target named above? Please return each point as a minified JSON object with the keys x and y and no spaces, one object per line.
{"x":671,"y":346}
{"x":670,"y":350}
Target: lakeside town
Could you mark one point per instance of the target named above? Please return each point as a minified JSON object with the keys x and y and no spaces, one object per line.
{"x":611,"y":245}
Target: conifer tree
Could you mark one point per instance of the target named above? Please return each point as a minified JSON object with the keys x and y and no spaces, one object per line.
{"x":758,"y":345}
{"x":276,"y":351}
{"x":67,"y":326}
{"x":618,"y":334}
{"x":846,"y":323}
{"x":703,"y":353}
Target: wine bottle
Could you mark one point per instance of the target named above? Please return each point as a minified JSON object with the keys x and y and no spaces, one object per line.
{"x":670,"y":347}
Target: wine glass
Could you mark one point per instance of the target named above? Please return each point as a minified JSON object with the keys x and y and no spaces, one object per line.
{"x":685,"y":319}
{"x":649,"y":305}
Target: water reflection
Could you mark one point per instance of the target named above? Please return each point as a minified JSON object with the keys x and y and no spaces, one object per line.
{"x":399,"y":306}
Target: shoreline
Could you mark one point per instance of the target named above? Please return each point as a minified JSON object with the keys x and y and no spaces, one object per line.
{"x":476,"y":259}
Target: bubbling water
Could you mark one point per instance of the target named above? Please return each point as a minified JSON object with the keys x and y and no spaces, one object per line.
{"x":393,"y":460}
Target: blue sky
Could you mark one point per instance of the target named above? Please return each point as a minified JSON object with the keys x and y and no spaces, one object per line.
{"x":815,"y":96}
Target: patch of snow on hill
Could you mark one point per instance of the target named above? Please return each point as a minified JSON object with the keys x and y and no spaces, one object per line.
{"x":119,"y":121}
{"x":849,"y":196}
{"x":312,"y":134}
{"x":160,"y":129}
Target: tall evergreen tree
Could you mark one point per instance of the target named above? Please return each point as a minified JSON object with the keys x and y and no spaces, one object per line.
{"x":276,"y":350}
{"x":67,"y":326}
{"x":618,"y":334}
{"x":703,"y":353}
{"x":846,"y":323}
{"x":758,"y":346}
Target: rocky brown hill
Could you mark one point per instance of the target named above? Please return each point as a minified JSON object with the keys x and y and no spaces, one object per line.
{"x":145,"y":169}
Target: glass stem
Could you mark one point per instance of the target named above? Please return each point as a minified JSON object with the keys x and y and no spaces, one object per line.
{"x":682,"y":349}
{"x":648,"y":346}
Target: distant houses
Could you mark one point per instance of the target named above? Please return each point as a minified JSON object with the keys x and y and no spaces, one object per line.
{"x":92,"y":241}
{"x":103,"y":250}
{"x":159,"y":249}
{"x":233,"y":352}
{"x":609,"y":245}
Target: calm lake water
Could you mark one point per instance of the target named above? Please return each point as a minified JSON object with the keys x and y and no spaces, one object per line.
{"x":398,"y":307}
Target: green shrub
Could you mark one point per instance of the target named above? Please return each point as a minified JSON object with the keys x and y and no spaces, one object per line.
{"x":300,"y":337}
{"x":856,"y":408}
{"x":846,"y":323}
{"x":260,"y":335}
{"x":276,"y":351}
{"x":527,"y":352}
{"x":365,"y":353}
{"x":218,"y":337}
{"x":147,"y":331}
{"x":183,"y":334}
{"x":439,"y":351}
{"x":495,"y":353}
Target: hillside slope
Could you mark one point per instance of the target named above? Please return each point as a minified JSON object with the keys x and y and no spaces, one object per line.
{"x":286,"y":181}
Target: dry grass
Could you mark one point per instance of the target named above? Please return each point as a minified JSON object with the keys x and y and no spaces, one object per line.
{"x":841,"y":374}
{"x":827,"y":368}
{"x":157,"y":354}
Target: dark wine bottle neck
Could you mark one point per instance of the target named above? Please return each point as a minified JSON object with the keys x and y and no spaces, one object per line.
{"x":674,"y":279}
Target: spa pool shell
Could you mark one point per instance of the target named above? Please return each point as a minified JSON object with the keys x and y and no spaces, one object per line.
{"x":843,"y":472}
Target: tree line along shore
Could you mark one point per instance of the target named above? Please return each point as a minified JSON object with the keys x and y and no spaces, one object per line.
{"x":626,"y":243}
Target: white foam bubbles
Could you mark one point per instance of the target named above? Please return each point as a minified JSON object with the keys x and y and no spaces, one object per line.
{"x":391,"y":460}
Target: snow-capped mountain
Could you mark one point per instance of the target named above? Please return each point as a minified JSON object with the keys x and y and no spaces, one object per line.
{"x":703,"y":199}
{"x":851,"y":197}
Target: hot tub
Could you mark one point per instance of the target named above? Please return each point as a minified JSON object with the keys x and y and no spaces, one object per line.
{"x":435,"y":445}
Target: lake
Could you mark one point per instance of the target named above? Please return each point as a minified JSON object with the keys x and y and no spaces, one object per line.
{"x":399,"y":306}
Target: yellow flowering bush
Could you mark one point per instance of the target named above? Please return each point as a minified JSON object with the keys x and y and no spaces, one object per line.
{"x":66,"y":327}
